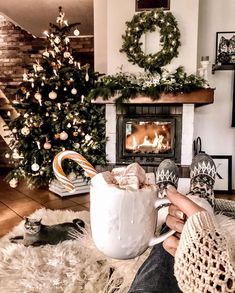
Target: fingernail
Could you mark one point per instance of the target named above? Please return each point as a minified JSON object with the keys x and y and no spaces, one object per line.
{"x":179,"y":215}
{"x":179,"y":227}
{"x":171,"y":187}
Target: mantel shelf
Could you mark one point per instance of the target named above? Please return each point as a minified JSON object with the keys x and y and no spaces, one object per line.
{"x":199,"y":98}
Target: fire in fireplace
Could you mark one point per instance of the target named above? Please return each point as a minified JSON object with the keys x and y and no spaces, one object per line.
{"x":148,"y":138}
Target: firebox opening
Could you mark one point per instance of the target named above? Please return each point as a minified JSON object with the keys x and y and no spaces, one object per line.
{"x":148,"y":137}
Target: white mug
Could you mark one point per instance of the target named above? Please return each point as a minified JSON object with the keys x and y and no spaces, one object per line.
{"x":123,"y":223}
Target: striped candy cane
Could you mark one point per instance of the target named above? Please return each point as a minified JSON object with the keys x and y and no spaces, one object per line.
{"x":59,"y":173}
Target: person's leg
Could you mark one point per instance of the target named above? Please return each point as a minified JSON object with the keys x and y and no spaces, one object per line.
{"x":156,"y":275}
{"x":157,"y":272}
{"x":202,"y":174}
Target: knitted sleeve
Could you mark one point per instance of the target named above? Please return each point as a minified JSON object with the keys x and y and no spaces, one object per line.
{"x":203,"y":261}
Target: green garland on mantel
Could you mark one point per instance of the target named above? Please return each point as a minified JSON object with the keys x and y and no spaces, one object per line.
{"x":140,"y":24}
{"x":129,"y":85}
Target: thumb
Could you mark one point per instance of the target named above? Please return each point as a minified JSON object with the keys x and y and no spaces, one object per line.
{"x":187,"y":206}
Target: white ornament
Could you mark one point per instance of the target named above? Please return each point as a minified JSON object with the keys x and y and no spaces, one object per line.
{"x":87,"y":77}
{"x":35,"y":167}
{"x":66,"y":54}
{"x":47,"y":146}
{"x":38,"y":96}
{"x":63,"y":135}
{"x":15,"y":154}
{"x":13,"y":182}
{"x":76,"y":32}
{"x":73,"y":91}
{"x":14,"y":130}
{"x":25,"y":130}
{"x":7,"y":156}
{"x":52,"y":95}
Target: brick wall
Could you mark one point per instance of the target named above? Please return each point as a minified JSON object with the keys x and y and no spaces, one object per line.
{"x":19,"y":49}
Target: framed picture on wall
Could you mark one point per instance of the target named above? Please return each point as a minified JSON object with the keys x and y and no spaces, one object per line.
{"x":223,"y":180}
{"x":151,"y":4}
{"x":225,"y":47}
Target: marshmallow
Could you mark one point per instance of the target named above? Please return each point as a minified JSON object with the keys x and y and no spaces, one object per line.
{"x":129,"y":183}
{"x":101,"y":179}
{"x":136,"y":170}
{"x":150,"y":179}
{"x":130,"y":177}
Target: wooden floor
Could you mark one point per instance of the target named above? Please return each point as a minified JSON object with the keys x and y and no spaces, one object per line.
{"x":17,"y":203}
{"x":21,"y":201}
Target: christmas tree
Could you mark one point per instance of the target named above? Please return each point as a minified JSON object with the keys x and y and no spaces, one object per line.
{"x":54,"y":113}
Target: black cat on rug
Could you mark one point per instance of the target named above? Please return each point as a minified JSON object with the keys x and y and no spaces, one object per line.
{"x":36,"y":233}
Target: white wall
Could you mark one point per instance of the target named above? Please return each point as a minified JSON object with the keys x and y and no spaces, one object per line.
{"x":213,"y":122}
{"x":118,"y":12}
{"x":100,"y":33}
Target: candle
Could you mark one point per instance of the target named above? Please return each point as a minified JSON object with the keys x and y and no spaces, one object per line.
{"x":205,"y":58}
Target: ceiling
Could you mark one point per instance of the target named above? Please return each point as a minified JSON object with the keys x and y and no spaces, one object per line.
{"x":35,"y":16}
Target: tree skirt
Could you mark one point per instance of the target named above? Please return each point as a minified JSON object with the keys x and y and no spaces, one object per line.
{"x":73,"y":266}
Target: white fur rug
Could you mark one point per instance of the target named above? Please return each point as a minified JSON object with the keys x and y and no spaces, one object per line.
{"x":69,"y":267}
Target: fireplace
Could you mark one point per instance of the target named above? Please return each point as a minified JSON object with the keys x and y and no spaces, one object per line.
{"x":175,"y":112}
{"x":148,"y":134}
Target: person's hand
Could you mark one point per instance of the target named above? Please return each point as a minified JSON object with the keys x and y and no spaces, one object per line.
{"x":180,"y":209}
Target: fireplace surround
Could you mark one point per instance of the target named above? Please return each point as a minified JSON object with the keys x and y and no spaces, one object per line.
{"x":148,"y":134}
{"x":180,"y":108}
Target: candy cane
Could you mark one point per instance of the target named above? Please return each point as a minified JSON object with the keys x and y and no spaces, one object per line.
{"x":59,"y":173}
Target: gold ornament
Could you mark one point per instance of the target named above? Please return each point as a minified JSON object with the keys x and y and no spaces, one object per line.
{"x":75,"y":133}
{"x":57,"y":135}
{"x":52,"y":95}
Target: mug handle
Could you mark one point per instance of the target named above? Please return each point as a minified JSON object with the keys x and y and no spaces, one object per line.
{"x":160,"y":203}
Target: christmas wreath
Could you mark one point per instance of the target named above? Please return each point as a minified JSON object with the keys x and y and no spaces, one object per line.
{"x":169,"y":39}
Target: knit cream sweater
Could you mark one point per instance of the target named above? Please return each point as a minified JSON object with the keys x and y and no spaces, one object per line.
{"x":205,"y":258}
